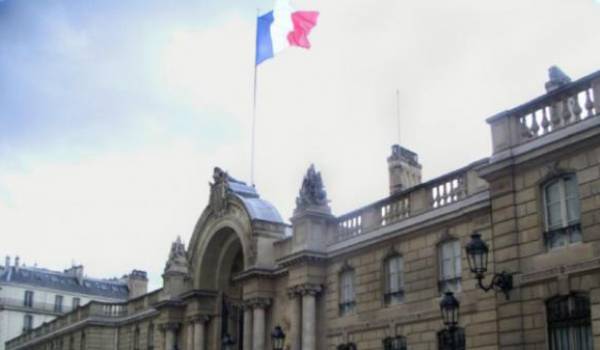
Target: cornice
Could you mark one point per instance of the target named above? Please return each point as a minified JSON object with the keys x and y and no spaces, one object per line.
{"x":303,"y":256}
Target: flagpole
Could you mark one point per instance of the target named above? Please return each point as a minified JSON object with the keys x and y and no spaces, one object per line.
{"x":253,"y":137}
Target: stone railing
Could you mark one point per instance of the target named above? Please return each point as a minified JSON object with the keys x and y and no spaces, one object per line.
{"x":546,"y":114}
{"x":35,"y":306}
{"x":434,"y":194}
{"x":93,"y":309}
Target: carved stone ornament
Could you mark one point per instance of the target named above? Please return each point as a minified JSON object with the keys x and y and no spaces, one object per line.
{"x":557,"y":78}
{"x":218,"y":192}
{"x":177,"y":262}
{"x":312,"y":192}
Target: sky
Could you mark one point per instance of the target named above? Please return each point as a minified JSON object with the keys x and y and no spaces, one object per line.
{"x":114,"y":113}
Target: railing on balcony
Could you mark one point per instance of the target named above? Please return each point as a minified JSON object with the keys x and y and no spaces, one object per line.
{"x":437,"y":193}
{"x":91,"y":309}
{"x":567,"y":105}
{"x":35,"y":306}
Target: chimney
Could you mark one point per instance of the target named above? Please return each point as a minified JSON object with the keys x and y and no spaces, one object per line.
{"x":76,"y":271}
{"x":7,"y":262}
{"x":137,"y":282}
{"x":404,"y":169}
{"x":17,"y":262}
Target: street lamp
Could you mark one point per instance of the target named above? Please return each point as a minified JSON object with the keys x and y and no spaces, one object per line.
{"x":449,"y":307}
{"x":228,"y":342}
{"x":278,"y":338}
{"x":477,"y":257}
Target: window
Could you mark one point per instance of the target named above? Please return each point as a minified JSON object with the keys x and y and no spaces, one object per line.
{"x":58,"y":303}
{"x":76,"y":302}
{"x":71,"y":343}
{"x":561,"y":208}
{"x":28,"y":301}
{"x":395,"y":343}
{"x":82,"y":343}
{"x":136,"y":339}
{"x":151,"y":337}
{"x":27,"y":323}
{"x":394,"y":280}
{"x":569,"y":323}
{"x":451,"y":340}
{"x":450,"y":268}
{"x":347,"y":293}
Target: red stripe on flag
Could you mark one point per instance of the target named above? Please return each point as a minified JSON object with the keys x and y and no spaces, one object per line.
{"x":303,"y":21}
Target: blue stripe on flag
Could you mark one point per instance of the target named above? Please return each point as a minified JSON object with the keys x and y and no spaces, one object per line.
{"x":264,"y":45}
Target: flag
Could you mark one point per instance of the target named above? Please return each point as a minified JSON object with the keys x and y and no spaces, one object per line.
{"x":281,"y":28}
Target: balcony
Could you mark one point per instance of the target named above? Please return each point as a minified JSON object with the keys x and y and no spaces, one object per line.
{"x":438,"y":193}
{"x":573,"y":103}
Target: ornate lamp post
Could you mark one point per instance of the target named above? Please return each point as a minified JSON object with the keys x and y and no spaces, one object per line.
{"x":228,"y":342}
{"x":477,"y":256}
{"x":278,"y":338}
{"x":449,"y":308}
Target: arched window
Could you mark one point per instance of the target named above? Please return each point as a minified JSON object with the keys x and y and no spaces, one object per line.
{"x":569,"y":323}
{"x":393,"y":267}
{"x":451,"y":340}
{"x":395,"y":343}
{"x":151,"y":336}
{"x":136,"y":338}
{"x":449,"y":266}
{"x":347,"y":292}
{"x":561,"y":211}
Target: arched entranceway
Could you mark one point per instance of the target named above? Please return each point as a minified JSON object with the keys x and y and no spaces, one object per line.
{"x":223,"y":259}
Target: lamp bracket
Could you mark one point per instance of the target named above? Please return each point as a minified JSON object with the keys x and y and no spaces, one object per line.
{"x":501,"y":282}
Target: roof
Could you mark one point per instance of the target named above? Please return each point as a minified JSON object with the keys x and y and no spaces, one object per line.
{"x":38,"y":277}
{"x":258,"y":209}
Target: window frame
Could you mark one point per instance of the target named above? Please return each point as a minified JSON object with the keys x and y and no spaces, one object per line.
{"x":393,"y":297}
{"x":456,"y":280}
{"x":443,"y":335}
{"x":150,"y":337}
{"x":27,"y":322}
{"x":346,"y":306}
{"x":28,"y":299}
{"x":568,"y":228}
{"x":58,"y":303}
{"x":564,"y":313}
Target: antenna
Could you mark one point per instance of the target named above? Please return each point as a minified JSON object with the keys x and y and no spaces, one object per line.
{"x":398,"y":113}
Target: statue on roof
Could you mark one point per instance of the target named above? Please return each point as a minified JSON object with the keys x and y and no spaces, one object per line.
{"x":177,"y":262}
{"x":557,"y":77}
{"x":312,"y":192}
{"x":219,"y":190}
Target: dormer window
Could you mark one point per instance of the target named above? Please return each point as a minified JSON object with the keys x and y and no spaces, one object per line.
{"x":562,"y":212}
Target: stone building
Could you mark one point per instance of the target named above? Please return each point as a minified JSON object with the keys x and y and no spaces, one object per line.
{"x":377,"y":273}
{"x":31,"y":296}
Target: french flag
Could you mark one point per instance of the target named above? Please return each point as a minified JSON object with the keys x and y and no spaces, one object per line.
{"x":281,"y":28}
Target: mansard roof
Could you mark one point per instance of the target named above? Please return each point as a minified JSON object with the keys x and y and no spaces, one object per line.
{"x":61,"y":281}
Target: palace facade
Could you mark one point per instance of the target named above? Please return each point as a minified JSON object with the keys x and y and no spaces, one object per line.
{"x":373,"y":278}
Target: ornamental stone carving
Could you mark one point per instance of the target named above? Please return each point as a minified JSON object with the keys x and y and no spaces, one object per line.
{"x":177,"y":262}
{"x":257,"y":303}
{"x":312,"y":193}
{"x":219,"y":190}
{"x":305,"y":289}
{"x":557,"y":79}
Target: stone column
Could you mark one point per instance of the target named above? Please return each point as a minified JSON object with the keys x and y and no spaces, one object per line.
{"x":295,"y":319}
{"x":199,"y":334}
{"x":259,"y":306}
{"x":170,"y":335}
{"x":189,"y":341}
{"x":248,"y":327}
{"x":309,"y":316}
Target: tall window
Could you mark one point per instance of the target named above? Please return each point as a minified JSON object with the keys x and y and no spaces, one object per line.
{"x":76,"y":302}
{"x":394,"y":343}
{"x":82,"y":343}
{"x":71,"y":343}
{"x":58,"y":303}
{"x":27,"y":323}
{"x":454,"y":340}
{"x":28,"y":301}
{"x":394,"y":280}
{"x":136,"y":339}
{"x":561,"y":206}
{"x":347,"y":292}
{"x":450,"y":268}
{"x":569,"y":324}
{"x":151,"y":337}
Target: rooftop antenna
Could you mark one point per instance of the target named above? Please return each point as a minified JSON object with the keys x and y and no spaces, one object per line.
{"x":398,"y":112}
